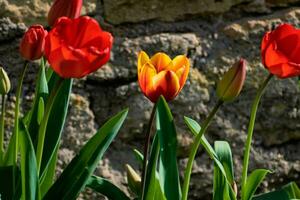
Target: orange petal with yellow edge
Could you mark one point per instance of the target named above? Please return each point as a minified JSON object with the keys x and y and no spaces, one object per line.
{"x":143,"y":58}
{"x":160,"y":61}
{"x":166,"y":83}
{"x":146,"y":78}
{"x":181,"y":66}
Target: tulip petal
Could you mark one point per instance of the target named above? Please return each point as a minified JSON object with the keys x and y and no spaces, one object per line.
{"x":143,"y":58}
{"x":160,"y":61}
{"x":181,"y":66}
{"x":285,"y":70}
{"x":166,"y":83}
{"x":148,"y":71}
{"x":274,"y":57}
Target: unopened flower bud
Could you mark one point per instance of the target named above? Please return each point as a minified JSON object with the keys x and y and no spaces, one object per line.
{"x":4,"y":82}
{"x":230,"y":86}
{"x":133,"y":179}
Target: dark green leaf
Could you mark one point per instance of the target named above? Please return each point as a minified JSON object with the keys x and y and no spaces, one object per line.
{"x":106,"y":188}
{"x":253,"y":181}
{"x":56,"y":121}
{"x":222,"y":187}
{"x":30,"y":181}
{"x":168,"y":169}
{"x":6,"y":187}
{"x":288,"y":192}
{"x":77,"y":173}
{"x":139,"y":156}
{"x":153,"y":189}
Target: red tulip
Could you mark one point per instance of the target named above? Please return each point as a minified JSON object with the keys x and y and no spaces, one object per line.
{"x":280,"y":50}
{"x":159,"y":75}
{"x":77,"y":47}
{"x":64,"y":8}
{"x":33,"y":42}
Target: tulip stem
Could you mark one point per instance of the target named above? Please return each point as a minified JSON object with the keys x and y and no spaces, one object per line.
{"x":193,"y":152}
{"x":255,"y":104}
{"x":44,"y":122}
{"x":146,"y":149}
{"x":16,"y":127}
{"x":2,"y":127}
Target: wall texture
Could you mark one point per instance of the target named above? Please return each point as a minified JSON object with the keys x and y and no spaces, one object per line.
{"x":213,"y":34}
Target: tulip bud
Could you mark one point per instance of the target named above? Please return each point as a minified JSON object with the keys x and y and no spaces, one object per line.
{"x":230,"y":86}
{"x":133,"y":179}
{"x":4,"y":82}
{"x":33,"y":42}
{"x":64,"y":8}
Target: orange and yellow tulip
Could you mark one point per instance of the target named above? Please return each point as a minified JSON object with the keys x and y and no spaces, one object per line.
{"x":159,"y":75}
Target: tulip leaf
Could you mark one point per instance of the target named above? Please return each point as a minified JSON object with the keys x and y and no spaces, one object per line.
{"x":139,"y":156}
{"x":168,"y":169}
{"x":288,"y":192}
{"x":41,"y":108}
{"x":222,"y":187}
{"x":76,"y":175}
{"x":106,"y":188}
{"x":153,"y":189}
{"x":33,"y":117}
{"x":253,"y":181}
{"x":30,"y":181}
{"x":56,"y":121}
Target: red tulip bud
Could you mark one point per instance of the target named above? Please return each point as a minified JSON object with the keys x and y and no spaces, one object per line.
{"x":33,"y":42}
{"x":230,"y":86}
{"x":64,"y":8}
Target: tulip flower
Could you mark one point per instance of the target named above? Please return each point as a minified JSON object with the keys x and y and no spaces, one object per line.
{"x":4,"y":82}
{"x":159,"y":75}
{"x":77,"y":47}
{"x":230,"y":86}
{"x":280,"y":50}
{"x":33,"y":43}
{"x":64,"y":8}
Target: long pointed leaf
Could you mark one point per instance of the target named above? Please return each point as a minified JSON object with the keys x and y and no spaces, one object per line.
{"x":168,"y":169}
{"x":288,"y":192}
{"x":253,"y":181}
{"x":30,"y":181}
{"x":106,"y":188}
{"x":77,"y":173}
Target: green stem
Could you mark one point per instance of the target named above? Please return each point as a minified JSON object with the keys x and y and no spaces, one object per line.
{"x":146,"y":150}
{"x":195,"y":146}
{"x":2,"y":127}
{"x":255,"y":104}
{"x":44,"y":122}
{"x":16,"y":127}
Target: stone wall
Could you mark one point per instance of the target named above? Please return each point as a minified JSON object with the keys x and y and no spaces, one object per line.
{"x":213,"y":34}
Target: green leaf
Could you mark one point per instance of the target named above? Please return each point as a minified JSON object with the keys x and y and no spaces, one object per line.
{"x":56,"y":122}
{"x":288,"y":192}
{"x":153,"y":189}
{"x":106,"y":188}
{"x":31,"y":119}
{"x":222,"y":187}
{"x":139,"y":156}
{"x":41,"y":109}
{"x":253,"y":181}
{"x":30,"y":181}
{"x":46,"y":180}
{"x":168,"y":169}
{"x":195,"y":129}
{"x":77,"y":173}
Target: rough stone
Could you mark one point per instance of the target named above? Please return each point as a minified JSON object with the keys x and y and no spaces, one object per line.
{"x":212,"y":50}
{"x":34,"y":11}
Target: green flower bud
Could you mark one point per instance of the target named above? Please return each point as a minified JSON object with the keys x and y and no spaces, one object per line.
{"x":230,"y":86}
{"x":4,"y":82}
{"x":133,"y":179}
